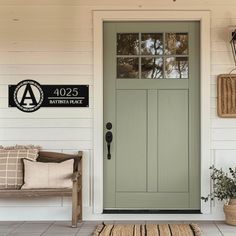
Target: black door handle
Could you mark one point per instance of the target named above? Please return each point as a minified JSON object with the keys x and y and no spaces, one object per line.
{"x":108,"y":138}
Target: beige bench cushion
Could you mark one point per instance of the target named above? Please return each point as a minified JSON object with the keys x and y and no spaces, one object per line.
{"x":11,"y":166}
{"x":47,"y":175}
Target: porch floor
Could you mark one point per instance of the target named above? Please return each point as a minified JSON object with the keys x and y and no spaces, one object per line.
{"x":61,"y":228}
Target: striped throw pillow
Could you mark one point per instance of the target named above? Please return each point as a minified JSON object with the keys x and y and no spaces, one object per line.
{"x":11,"y":166}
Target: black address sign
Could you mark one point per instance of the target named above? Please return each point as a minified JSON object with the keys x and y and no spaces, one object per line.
{"x":29,"y":95}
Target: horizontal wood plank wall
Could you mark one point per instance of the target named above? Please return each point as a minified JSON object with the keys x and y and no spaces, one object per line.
{"x":51,"y":41}
{"x":52,"y":45}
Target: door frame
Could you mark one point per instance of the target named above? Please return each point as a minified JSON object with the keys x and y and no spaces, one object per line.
{"x":157,"y":15}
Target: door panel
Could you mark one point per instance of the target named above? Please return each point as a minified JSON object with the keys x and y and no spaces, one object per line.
{"x":148,"y":200}
{"x":173,"y":141}
{"x":151,"y":97}
{"x":131,"y":128}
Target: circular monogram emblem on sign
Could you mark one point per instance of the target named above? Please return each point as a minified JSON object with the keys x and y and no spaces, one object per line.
{"x":28,"y":96}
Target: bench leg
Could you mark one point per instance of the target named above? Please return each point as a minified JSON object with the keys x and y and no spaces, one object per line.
{"x":75,"y":204}
{"x":79,"y":205}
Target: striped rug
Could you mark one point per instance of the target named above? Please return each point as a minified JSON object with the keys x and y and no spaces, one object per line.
{"x":148,"y":230}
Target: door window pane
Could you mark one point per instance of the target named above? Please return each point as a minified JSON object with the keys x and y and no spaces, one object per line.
{"x":127,"y":44}
{"x":176,"y":67}
{"x":152,"y":44}
{"x":127,"y":67}
{"x":176,"y":44}
{"x":156,"y":55}
{"x":152,"y":68}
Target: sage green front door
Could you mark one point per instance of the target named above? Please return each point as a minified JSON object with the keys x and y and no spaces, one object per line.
{"x":151,"y":98}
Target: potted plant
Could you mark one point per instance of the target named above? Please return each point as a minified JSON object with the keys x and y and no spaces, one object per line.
{"x":224,"y":189}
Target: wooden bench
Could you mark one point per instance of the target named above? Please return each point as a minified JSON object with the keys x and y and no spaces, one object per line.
{"x":75,"y":192}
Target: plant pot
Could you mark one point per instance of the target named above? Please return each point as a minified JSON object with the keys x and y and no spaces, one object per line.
{"x":230,"y":212}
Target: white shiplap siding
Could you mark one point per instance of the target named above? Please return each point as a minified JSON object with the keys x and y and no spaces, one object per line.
{"x":52,"y":45}
{"x":51,"y":41}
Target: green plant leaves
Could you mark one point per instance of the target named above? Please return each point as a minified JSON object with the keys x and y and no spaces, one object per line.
{"x":224,"y":184}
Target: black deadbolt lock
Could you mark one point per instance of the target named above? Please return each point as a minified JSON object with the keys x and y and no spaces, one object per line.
{"x":109,"y":125}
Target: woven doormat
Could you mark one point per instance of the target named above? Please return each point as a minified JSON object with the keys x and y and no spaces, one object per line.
{"x":148,"y":230}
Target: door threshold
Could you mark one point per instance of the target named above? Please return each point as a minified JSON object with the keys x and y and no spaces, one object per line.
{"x":154,"y":211}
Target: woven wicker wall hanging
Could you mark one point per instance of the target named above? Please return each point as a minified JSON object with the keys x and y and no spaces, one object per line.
{"x":226,"y":91}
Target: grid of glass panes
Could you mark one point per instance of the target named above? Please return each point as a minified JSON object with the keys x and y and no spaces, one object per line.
{"x":152,"y":56}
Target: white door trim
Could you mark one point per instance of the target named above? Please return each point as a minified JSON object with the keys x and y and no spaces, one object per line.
{"x":98,"y":18}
